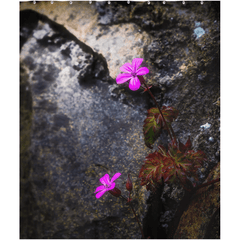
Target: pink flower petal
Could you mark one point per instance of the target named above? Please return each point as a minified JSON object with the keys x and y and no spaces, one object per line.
{"x":123,"y":77}
{"x":142,"y":71}
{"x":105,"y":179}
{"x":111,"y":187}
{"x":127,"y":67}
{"x":117,"y":175}
{"x":136,"y":62}
{"x":134,"y":84}
{"x":100,"y":188}
{"x":98,"y":195}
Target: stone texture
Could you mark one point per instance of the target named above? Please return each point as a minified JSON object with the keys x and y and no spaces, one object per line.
{"x":202,"y":217}
{"x":78,"y":133}
{"x":118,"y":43}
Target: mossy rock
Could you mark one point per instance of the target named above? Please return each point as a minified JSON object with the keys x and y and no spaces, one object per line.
{"x":202,"y":217}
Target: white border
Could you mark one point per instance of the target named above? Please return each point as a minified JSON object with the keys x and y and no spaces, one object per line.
{"x":230,"y":142}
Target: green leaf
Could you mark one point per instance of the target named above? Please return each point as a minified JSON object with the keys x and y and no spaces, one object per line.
{"x":197,"y":159}
{"x":154,"y":123}
{"x":152,"y":127}
{"x":186,"y":162}
{"x":169,"y":114}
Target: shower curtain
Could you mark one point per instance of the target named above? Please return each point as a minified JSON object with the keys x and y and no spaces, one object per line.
{"x":77,"y":123}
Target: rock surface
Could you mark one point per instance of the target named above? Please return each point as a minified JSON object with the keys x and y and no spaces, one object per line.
{"x":78,"y":133}
{"x":180,"y":44}
{"x":118,"y":43}
{"x":202,"y":217}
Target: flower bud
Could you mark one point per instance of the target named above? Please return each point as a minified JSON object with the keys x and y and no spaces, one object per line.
{"x":115,"y":192}
{"x":129,"y":183}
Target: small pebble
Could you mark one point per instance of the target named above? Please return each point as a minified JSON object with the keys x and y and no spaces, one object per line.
{"x":211,"y":139}
{"x":199,"y":32}
{"x":205,"y":126}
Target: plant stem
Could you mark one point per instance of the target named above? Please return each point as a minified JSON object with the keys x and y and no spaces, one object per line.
{"x":137,"y":219}
{"x":135,"y":216}
{"x":173,"y":133}
{"x":207,"y":183}
{"x":146,"y":86}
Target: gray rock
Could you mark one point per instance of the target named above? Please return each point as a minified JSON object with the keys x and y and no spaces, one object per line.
{"x":78,"y":133}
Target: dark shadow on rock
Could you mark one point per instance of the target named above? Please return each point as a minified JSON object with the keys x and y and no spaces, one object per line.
{"x":151,"y":222}
{"x":213,"y":229}
{"x":27,"y":202}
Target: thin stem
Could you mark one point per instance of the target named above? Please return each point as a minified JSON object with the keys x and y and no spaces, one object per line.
{"x":173,"y":133}
{"x":137,"y":219}
{"x":208,"y":183}
{"x":143,"y":81}
{"x":135,"y":215}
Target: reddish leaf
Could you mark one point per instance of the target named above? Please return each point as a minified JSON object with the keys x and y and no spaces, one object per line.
{"x":151,"y":171}
{"x":169,"y":113}
{"x":197,"y":159}
{"x":162,"y":150}
{"x":182,"y":147}
{"x":152,"y":127}
{"x":154,"y":123}
{"x":187,"y":146}
{"x":179,"y":163}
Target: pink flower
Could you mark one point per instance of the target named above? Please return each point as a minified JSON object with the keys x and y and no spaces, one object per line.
{"x":131,"y":74}
{"x":107,"y":184}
